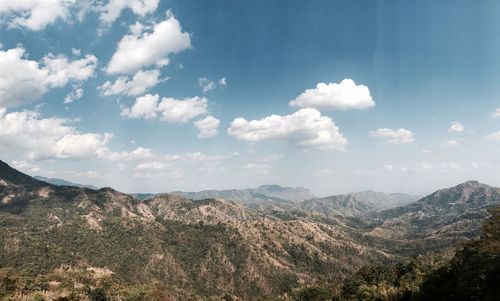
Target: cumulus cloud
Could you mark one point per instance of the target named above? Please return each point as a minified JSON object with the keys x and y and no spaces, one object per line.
{"x":112,"y":10}
{"x":207,"y":127}
{"x":145,"y":46}
{"x":305,"y":128}
{"x":145,"y":107}
{"x":23,"y":81}
{"x":223,"y":82}
{"x":138,"y":84}
{"x":169,"y":109}
{"x":34,"y":14}
{"x":456,"y":127}
{"x":49,"y":138}
{"x":343,"y":96}
{"x":399,"y":136}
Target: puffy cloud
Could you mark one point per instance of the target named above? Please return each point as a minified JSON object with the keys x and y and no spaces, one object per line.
{"x":344,"y":96}
{"x":494,"y":136}
{"x":143,"y":47}
{"x":456,"y":127}
{"x":170,"y":109}
{"x":305,"y":128}
{"x":399,"y":136}
{"x":173,"y":110}
{"x":23,"y":80}
{"x":77,"y":93}
{"x":207,"y":127}
{"x":138,"y":84}
{"x":34,"y":14}
{"x":496,"y":114}
{"x":49,"y":138}
{"x":144,"y":107}
{"x":223,"y":82}
{"x":112,"y":10}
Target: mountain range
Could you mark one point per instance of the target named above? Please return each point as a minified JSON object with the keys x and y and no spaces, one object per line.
{"x":69,"y":241}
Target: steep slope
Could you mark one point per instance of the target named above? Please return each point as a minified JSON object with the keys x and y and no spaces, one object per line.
{"x":356,"y":204}
{"x":10,"y":177}
{"x":446,"y":216}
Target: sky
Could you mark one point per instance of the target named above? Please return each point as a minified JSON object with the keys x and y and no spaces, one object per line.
{"x":335,"y":96}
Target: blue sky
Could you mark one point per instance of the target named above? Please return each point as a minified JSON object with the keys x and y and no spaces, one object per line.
{"x":336,"y":96}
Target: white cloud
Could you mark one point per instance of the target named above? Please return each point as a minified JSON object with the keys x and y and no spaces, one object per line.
{"x":223,"y":82}
{"x":456,"y":127}
{"x":494,"y":136}
{"x":305,"y":128}
{"x":40,"y":138}
{"x":144,"y":107}
{"x":77,"y":93}
{"x":206,"y":84}
{"x":399,"y":136}
{"x":496,"y":114}
{"x":344,"y":96}
{"x":207,"y":127}
{"x":23,"y":81}
{"x":112,"y":10}
{"x":427,"y":151}
{"x":34,"y":14}
{"x":148,"y":165}
{"x":173,"y":110}
{"x":170,"y":109}
{"x":138,"y":84}
{"x":142,"y":48}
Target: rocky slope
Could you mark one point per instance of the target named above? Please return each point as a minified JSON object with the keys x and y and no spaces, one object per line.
{"x":207,"y":247}
{"x":440,"y":219}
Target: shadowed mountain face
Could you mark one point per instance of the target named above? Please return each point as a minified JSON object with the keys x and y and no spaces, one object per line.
{"x":212,"y":247}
